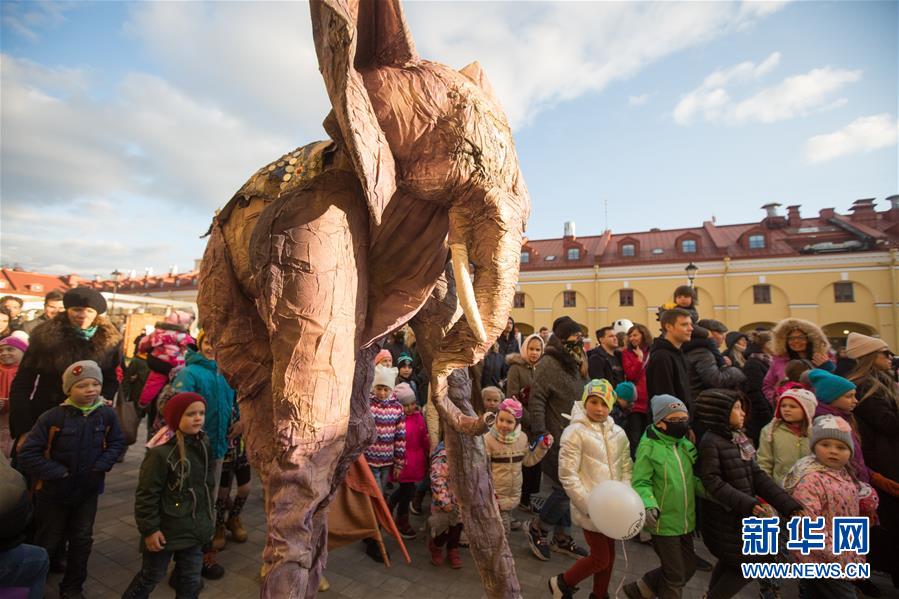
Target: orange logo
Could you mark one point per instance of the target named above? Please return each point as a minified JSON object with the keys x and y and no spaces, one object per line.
{"x":78,"y":370}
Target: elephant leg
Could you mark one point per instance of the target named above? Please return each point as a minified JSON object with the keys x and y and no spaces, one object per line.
{"x":313,"y":301}
{"x":472,"y":485}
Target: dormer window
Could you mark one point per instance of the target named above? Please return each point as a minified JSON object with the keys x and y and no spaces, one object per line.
{"x":628,"y":250}
{"x":688,"y":246}
{"x":574,"y":254}
{"x":525,"y":257}
{"x":756,"y":242}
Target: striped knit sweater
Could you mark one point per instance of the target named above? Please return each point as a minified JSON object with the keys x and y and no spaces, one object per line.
{"x":389,"y":446}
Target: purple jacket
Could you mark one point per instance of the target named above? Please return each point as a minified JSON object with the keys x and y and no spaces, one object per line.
{"x":418,"y":448}
{"x":858,"y":458}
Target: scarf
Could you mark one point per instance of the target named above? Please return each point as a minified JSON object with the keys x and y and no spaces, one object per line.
{"x":510,"y":438}
{"x":85,"y":410}
{"x":87,"y":333}
{"x":747,"y":449}
{"x":806,"y":466}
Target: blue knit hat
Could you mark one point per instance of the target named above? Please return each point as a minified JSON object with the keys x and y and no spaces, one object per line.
{"x":828,"y":387}
{"x":663,"y":405}
{"x":626,"y":391}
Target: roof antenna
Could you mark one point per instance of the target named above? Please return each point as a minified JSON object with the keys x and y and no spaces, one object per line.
{"x":605,"y":204}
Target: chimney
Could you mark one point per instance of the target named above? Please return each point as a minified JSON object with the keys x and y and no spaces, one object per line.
{"x":771,"y":210}
{"x":793,"y":217}
{"x":863,"y":211}
{"x":893,"y":212}
{"x":772,"y":219}
{"x":826,"y":214}
{"x":569,"y":229}
{"x":173,"y":270}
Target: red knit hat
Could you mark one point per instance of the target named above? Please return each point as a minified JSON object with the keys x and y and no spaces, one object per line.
{"x":176,"y":406}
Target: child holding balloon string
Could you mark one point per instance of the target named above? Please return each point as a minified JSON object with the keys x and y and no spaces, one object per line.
{"x":593,"y":450}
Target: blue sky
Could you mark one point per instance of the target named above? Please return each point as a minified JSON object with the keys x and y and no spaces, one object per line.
{"x":126,"y":124}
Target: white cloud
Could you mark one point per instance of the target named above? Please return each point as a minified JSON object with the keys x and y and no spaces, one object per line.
{"x":864,"y":134}
{"x":27,"y":18}
{"x":638,"y":100}
{"x":795,"y":96}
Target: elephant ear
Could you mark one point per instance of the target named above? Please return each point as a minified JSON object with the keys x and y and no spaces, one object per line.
{"x":475,"y":72}
{"x":351,"y":36}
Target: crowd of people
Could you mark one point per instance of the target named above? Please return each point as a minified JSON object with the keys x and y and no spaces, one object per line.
{"x":708,"y":426}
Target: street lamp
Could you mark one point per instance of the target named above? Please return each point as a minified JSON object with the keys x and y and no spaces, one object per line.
{"x":691,"y":272}
{"x":116,"y":277}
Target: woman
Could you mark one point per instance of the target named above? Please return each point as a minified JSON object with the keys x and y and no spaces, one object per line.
{"x":758,"y":360}
{"x":877,"y":418}
{"x":518,"y":383}
{"x":634,"y":359}
{"x":795,"y":339}
{"x":78,"y":333}
{"x":736,"y":343}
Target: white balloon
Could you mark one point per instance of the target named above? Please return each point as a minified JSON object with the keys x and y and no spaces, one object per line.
{"x":616,"y":510}
{"x":622,"y":326}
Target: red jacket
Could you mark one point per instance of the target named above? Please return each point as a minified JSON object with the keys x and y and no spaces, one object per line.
{"x":635,"y":372}
{"x":418,"y":448}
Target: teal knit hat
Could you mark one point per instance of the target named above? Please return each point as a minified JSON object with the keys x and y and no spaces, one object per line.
{"x":827,"y":386}
{"x":626,"y":391}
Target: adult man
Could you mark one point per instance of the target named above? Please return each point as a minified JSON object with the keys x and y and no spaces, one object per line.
{"x":508,"y":343}
{"x":14,"y":305}
{"x":52,"y":306}
{"x":605,"y":359}
{"x":544,"y":334}
{"x":706,"y":367}
{"x":667,"y":369}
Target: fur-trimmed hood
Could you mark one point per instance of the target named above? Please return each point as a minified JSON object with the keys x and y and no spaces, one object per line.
{"x":56,"y":344}
{"x":563,"y":358}
{"x":816,"y":337}
{"x":518,"y":360}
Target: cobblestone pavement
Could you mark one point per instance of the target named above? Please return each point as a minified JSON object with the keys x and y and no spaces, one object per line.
{"x":115,"y":560}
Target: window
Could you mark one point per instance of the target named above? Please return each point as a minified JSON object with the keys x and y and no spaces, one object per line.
{"x":569,"y":299}
{"x":519,"y":301}
{"x":525,"y":257}
{"x":688,"y":246}
{"x":761,"y":294}
{"x":574,"y":254}
{"x":626,"y":297}
{"x":628,"y":250}
{"x":36,"y":287}
{"x":657,"y":251}
{"x":843,"y":292}
{"x":550,"y":258}
{"x":756,"y":242}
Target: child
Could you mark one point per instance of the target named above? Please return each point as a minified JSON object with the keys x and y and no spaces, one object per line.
{"x":685,"y":298}
{"x":508,"y":450}
{"x":164,"y":348}
{"x":68,"y":452}
{"x":415,"y":466}
{"x":625,"y":393}
{"x":444,"y":522}
{"x":491,"y":397}
{"x":733,"y":483}
{"x":664,"y":479}
{"x":836,"y":397}
{"x":12,"y":349}
{"x":384,"y":358}
{"x":235,"y":467}
{"x":389,"y":448}
{"x":824,"y":483}
{"x":593,"y":449}
{"x":404,"y":364}
{"x":784,"y":440}
{"x":173,"y":502}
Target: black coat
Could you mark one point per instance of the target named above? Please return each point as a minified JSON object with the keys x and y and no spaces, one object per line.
{"x":495,"y":370}
{"x":760,"y":410}
{"x":666,"y":372}
{"x":731,"y":483}
{"x":15,"y":507}
{"x":53,"y":347}
{"x":603,"y":365}
{"x":707,"y":369}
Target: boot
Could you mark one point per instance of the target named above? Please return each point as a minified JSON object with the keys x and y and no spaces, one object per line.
{"x":211,"y":568}
{"x":406,"y":529}
{"x":436,"y":553}
{"x":218,"y":541}
{"x":323,"y":585}
{"x":455,"y":560}
{"x":561,"y":589}
{"x":415,"y":507}
{"x":235,"y":527}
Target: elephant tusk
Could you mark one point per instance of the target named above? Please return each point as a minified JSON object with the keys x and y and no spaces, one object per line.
{"x":466,"y":291}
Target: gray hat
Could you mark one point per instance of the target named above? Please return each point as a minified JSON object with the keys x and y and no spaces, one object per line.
{"x":715,"y":326}
{"x":831,"y":427}
{"x":85,"y":369}
{"x":664,"y":404}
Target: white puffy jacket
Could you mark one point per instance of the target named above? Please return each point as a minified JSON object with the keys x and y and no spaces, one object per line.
{"x":590,"y":453}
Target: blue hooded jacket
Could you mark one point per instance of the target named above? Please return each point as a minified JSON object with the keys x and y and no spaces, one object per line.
{"x":201,"y":375}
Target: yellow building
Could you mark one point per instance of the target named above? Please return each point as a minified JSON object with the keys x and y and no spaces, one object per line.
{"x":839,"y":271}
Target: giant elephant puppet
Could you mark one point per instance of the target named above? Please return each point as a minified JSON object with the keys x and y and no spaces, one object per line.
{"x":327,"y":249}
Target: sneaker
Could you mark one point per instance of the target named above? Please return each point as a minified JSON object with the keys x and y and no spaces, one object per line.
{"x":526,"y":508}
{"x":537,"y":502}
{"x":455,"y":560}
{"x":235,"y":527}
{"x":406,"y":530}
{"x":323,"y":585}
{"x":702,"y":565}
{"x":463,"y":539}
{"x":218,"y":540}
{"x":415,"y":506}
{"x":632,"y":591}
{"x":211,"y":570}
{"x":537,"y":542}
{"x":567,"y":546}
{"x":561,"y":589}
{"x":436,"y":553}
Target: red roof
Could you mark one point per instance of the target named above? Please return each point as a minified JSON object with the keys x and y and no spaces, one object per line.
{"x":17,"y":281}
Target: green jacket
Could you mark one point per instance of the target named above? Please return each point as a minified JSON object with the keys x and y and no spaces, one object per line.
{"x":779,"y":449}
{"x":663,"y":477}
{"x":178,"y":501}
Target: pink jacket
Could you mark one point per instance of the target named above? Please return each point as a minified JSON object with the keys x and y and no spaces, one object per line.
{"x":418,"y":447}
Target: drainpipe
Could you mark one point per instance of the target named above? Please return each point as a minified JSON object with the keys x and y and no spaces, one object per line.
{"x":596,"y":298}
{"x":724,"y":282}
{"x":895,"y":309}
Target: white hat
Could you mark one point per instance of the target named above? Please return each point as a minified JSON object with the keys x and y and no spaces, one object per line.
{"x":384,"y":376}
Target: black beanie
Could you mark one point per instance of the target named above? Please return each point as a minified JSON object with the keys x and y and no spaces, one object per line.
{"x":564,"y":327}
{"x":84,"y":297}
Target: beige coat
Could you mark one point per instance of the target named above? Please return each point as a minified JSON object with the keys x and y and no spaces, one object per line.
{"x":591,"y":453}
{"x":510,"y":457}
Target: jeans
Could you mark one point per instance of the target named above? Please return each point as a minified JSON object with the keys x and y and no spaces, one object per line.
{"x":188,"y":563}
{"x":598,"y":564}
{"x":556,"y":511}
{"x":678,"y":566}
{"x":57,"y":523}
{"x":25,"y":566}
{"x":826,"y":588}
{"x":726,"y":581}
{"x":381,"y":474}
